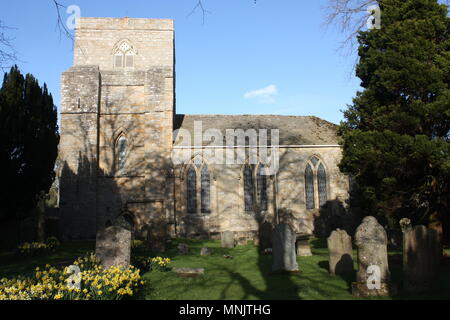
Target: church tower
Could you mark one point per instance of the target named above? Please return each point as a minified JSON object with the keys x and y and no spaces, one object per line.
{"x":117,"y":111}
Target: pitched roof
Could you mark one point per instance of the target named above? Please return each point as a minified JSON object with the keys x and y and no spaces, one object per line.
{"x":294,"y":130}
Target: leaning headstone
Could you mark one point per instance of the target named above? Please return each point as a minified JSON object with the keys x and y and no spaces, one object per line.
{"x":302,"y":245}
{"x":227,"y":239}
{"x":373,"y":277}
{"x":283,"y":249}
{"x":420,"y":258}
{"x":265,"y":236}
{"x":340,"y":251}
{"x":183,"y":248}
{"x":113,"y":246}
{"x":206,"y":251}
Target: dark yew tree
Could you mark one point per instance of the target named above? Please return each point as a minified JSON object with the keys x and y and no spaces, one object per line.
{"x":28,"y":143}
{"x":395,"y":135}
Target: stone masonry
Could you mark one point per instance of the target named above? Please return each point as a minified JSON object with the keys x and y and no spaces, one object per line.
{"x":122,"y":84}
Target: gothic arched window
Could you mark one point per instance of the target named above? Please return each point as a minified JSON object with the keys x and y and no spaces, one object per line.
{"x":315,"y":183}
{"x":205,"y":190}
{"x":191,"y":184}
{"x":262,"y":187}
{"x":248,"y":188}
{"x":121,"y":152}
{"x":309,"y":187}
{"x":124,"y":55}
{"x":198,"y":183}
{"x":322,"y":184}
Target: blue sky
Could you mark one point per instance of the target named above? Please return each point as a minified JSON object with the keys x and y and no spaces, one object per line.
{"x":272,"y":57}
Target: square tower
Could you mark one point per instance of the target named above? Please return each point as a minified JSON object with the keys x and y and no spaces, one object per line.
{"x":117,"y":110}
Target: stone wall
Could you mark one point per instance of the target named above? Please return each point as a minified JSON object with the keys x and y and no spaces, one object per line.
{"x":227,"y":194}
{"x":80,"y":88}
{"x":100,"y":103}
{"x":152,"y":39}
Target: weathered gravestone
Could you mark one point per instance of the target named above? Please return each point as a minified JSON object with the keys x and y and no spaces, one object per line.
{"x":373,"y":277}
{"x":265,"y":236}
{"x":302,"y":245}
{"x":157,"y":237}
{"x":341,"y":254}
{"x":113,"y":246}
{"x":206,"y":251}
{"x":227,"y":239}
{"x":183,"y":248}
{"x":283,"y":249}
{"x":421,"y":257}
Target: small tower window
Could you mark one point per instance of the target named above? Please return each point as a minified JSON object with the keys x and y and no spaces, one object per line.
{"x":121,"y":152}
{"x":124,"y":55}
{"x":129,"y":60}
{"x":118,"y":60}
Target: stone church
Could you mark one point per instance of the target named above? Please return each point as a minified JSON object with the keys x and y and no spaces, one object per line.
{"x":120,"y":134}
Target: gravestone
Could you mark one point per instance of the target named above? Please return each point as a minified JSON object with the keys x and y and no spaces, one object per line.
{"x":113,"y":246}
{"x":206,"y":251}
{"x":373,"y":277}
{"x":341,"y":253}
{"x":265,"y":236}
{"x":421,"y":258}
{"x":156,"y":237}
{"x":283,"y":249}
{"x":302,"y":245}
{"x":227,"y":239}
{"x":183,"y":248}
{"x":189,"y":272}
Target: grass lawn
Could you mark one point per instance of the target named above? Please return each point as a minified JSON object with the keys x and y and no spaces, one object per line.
{"x":12,"y":264}
{"x":247,"y":276}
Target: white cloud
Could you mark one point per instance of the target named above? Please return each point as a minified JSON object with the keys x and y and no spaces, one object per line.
{"x":265,"y":95}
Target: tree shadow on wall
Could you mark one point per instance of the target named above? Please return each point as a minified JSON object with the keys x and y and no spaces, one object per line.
{"x":94,"y":192}
{"x":333,"y":215}
{"x":79,"y":202}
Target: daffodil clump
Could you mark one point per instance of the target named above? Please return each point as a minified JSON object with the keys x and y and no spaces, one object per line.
{"x":92,"y":283}
{"x":34,"y":248}
{"x":159,"y":263}
{"x":152,"y":264}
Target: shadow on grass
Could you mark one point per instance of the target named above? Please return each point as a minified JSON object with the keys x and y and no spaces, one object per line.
{"x":12,"y":263}
{"x":348,"y":277}
{"x":246,"y":276}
